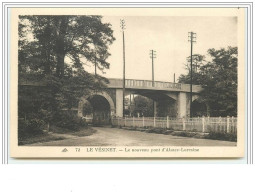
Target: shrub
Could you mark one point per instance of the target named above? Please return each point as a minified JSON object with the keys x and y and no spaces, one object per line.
{"x":69,"y":121}
{"x":168,"y":132}
{"x":30,"y":127}
{"x":222,"y":135}
{"x":183,"y":133}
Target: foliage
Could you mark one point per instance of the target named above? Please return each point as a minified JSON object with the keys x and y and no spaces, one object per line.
{"x":30,"y":127}
{"x":197,"y":62}
{"x":79,"y":38}
{"x":69,"y":121}
{"x":87,"y":109}
{"x":143,"y":106}
{"x":219,"y":80}
{"x":222,"y":135}
{"x":53,"y":53}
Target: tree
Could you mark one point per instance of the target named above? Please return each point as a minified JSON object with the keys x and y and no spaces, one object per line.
{"x":56,"y":38}
{"x":53,"y":52}
{"x":197,"y":61}
{"x":143,"y":106}
{"x":219,"y":80}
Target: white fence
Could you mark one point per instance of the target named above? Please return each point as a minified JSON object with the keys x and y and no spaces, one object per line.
{"x":203,"y":124}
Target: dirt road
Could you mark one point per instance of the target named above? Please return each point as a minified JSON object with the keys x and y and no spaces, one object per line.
{"x":119,"y":137}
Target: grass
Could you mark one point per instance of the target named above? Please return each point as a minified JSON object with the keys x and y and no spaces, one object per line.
{"x":219,"y":135}
{"x":45,"y":137}
{"x":183,"y":133}
{"x":192,"y":133}
{"x":83,"y":131}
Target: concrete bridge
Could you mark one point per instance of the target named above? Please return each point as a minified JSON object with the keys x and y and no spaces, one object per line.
{"x":172,"y":99}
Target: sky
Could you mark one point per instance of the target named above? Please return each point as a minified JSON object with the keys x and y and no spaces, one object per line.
{"x":168,"y":35}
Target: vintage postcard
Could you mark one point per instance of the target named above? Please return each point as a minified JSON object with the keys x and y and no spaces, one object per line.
{"x":127,"y":82}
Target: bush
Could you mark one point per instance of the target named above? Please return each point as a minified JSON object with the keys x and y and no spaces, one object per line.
{"x":30,"y":127}
{"x":168,"y":132}
{"x":70,"y":121}
{"x":222,"y":135}
{"x":183,"y":133}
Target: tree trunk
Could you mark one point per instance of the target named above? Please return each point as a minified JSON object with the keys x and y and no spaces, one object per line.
{"x":60,"y":46}
{"x":47,"y":63}
{"x":60,"y":63}
{"x":207,"y":109}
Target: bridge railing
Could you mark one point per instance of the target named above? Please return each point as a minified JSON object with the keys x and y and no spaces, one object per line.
{"x":156,"y":84}
{"x":202,"y":124}
{"x":145,"y":84}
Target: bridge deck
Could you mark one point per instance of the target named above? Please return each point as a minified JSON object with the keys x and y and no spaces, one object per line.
{"x":157,"y":85}
{"x":138,"y":84}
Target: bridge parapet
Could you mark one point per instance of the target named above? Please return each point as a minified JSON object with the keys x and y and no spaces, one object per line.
{"x":137,"y":84}
{"x":157,"y":85}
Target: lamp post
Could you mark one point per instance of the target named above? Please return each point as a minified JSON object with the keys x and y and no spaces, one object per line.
{"x":123,"y":27}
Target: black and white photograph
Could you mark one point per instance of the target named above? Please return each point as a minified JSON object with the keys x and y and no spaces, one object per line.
{"x":135,"y":82}
{"x":127,"y":97}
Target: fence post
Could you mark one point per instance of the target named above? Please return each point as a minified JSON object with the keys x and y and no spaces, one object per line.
{"x":183,"y":124}
{"x":143,"y":121}
{"x":118,"y":122}
{"x":154,"y":122}
{"x":203,"y":121}
{"x":233,"y":124}
{"x":133,"y":121}
{"x":220,"y":123}
{"x":125,"y":122}
{"x":227,"y":124}
{"x":167,"y":122}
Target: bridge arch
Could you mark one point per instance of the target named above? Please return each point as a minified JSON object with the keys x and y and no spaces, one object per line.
{"x":165,"y":103}
{"x":194,"y":98}
{"x":103,"y":94}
